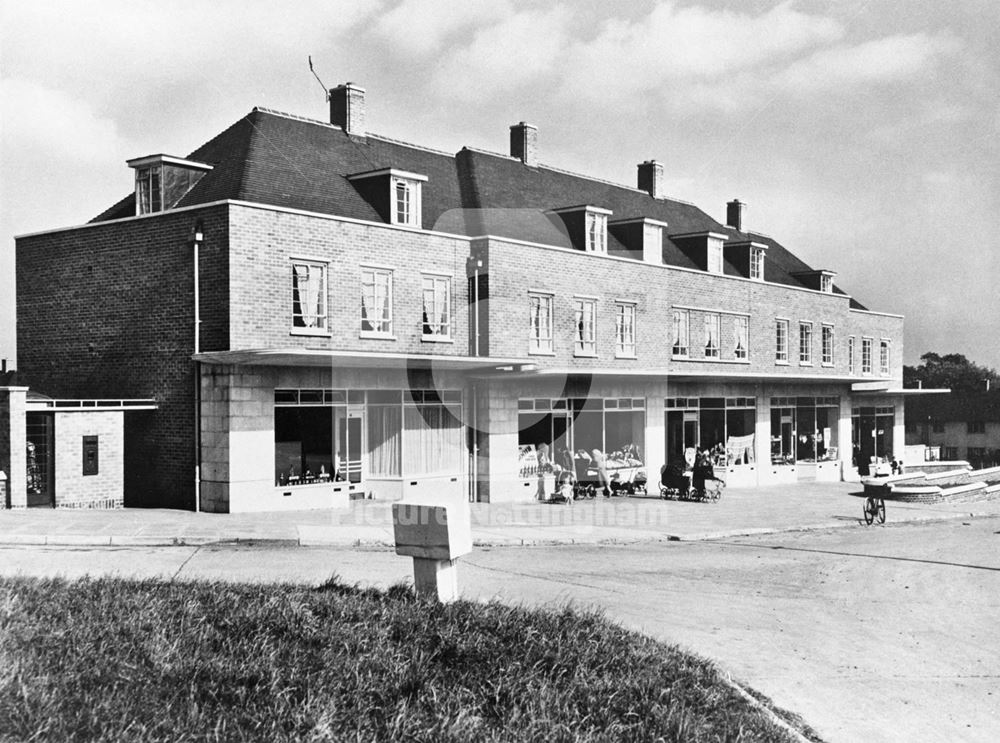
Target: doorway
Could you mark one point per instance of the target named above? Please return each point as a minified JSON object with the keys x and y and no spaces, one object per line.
{"x":40,"y":464}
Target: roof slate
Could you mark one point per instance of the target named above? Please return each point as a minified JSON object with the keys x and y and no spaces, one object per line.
{"x":277,"y":159}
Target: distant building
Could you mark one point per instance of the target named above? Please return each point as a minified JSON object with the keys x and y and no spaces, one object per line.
{"x":321,"y":313}
{"x":965,"y":427}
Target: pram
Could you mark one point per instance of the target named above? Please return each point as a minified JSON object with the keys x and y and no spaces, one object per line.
{"x":698,"y":484}
{"x":588,"y":479}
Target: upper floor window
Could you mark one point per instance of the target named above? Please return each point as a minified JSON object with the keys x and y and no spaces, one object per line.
{"x":586,"y":320}
{"x":625,"y":329}
{"x":826,"y":283}
{"x":597,"y":232}
{"x":937,"y":427}
{"x":866,"y":355}
{"x":714,"y":256}
{"x":436,"y":320}
{"x":309,"y":295}
{"x":757,"y":263}
{"x":827,"y":343}
{"x":976,"y":427}
{"x":781,"y":341}
{"x":148,"y":195}
{"x":540,"y":323}
{"x":805,"y":342}
{"x":376,"y":301}
{"x":741,"y":332}
{"x":712,"y":336}
{"x":883,"y":358}
{"x":679,"y":345}
{"x":405,"y":202}
{"x":850,"y":355}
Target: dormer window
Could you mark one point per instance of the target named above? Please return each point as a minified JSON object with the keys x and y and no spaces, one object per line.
{"x":395,"y":194}
{"x":826,"y":283}
{"x":705,"y":249}
{"x":586,"y":226}
{"x":161,"y":181}
{"x":597,"y":232}
{"x":757,"y":263}
{"x":818,"y":279}
{"x":406,"y":202}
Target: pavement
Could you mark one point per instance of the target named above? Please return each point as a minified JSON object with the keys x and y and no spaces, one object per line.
{"x":368,"y":524}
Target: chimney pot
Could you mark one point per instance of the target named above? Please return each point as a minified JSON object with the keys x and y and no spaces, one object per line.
{"x":650,"y":179}
{"x":524,"y":143}
{"x":736,"y":215}
{"x":347,"y":108}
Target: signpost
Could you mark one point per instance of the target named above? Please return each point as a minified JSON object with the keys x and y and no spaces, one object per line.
{"x":435,"y":536}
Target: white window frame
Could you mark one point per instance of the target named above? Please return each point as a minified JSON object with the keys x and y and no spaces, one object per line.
{"x":405,"y":211}
{"x":310,"y":323}
{"x":144,"y":179}
{"x":866,"y":354}
{"x":584,"y":326}
{"x":713,"y":331}
{"x":713,"y":257}
{"x":884,"y":357}
{"x":680,"y":343}
{"x":826,"y":283}
{"x":540,"y":323}
{"x":826,"y":345}
{"x":741,"y":331}
{"x":625,"y":319}
{"x":437,"y":326}
{"x":851,"y":350}
{"x":372,"y":276}
{"x":596,"y":227}
{"x":757,"y":264}
{"x":781,"y":341}
{"x":805,"y":342}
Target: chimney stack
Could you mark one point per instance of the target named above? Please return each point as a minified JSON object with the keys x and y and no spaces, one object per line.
{"x":736,"y":215}
{"x":524,"y":143}
{"x":650,"y":179}
{"x":347,"y":108}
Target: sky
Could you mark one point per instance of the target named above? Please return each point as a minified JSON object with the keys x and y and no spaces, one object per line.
{"x":862,"y":134}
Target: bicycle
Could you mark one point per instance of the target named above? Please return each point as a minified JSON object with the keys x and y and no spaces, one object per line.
{"x":874,"y":510}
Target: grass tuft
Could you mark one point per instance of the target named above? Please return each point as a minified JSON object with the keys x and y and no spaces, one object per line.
{"x":121,"y":660}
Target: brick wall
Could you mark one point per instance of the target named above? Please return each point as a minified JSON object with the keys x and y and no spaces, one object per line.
{"x":264,"y":240}
{"x":106,"y":310}
{"x":515,"y":269}
{"x":73,"y":489}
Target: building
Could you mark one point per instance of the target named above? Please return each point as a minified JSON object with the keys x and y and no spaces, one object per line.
{"x":322,"y":313}
{"x":958,"y":427}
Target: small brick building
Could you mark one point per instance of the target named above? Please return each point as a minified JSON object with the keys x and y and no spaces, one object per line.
{"x":323,"y":313}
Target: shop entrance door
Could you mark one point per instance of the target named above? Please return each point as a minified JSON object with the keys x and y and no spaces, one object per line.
{"x":349,"y":435}
{"x":682,"y":433}
{"x":39,"y":464}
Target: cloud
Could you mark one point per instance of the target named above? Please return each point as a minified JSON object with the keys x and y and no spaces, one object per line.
{"x":522,"y":48}
{"x":50,"y":121}
{"x":421,"y":26}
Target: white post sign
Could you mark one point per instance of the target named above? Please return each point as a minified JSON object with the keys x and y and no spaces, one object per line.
{"x":435,"y":536}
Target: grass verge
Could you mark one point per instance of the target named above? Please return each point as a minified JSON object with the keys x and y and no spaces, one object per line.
{"x":121,"y":660}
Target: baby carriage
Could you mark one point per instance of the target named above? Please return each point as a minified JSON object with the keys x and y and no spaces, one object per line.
{"x":675,"y":482}
{"x":587,"y":478}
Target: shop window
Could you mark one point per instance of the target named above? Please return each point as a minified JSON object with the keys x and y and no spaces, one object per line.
{"x":376,"y":302}
{"x":950,"y":453}
{"x":681,"y":333}
{"x":432,"y":440}
{"x":871,"y":436}
{"x":436,"y":320}
{"x":741,"y":332}
{"x":805,"y":342}
{"x":585,"y":319}
{"x":781,"y":341}
{"x":309,"y":295}
{"x":827,"y":344}
{"x":712,"y":336}
{"x":625,"y":330}
{"x":540,"y":324}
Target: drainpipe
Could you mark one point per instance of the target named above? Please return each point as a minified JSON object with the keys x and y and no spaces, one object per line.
{"x":196,"y":240}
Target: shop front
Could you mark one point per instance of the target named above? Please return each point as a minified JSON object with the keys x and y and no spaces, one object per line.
{"x":724,"y":426}
{"x":805,"y":438}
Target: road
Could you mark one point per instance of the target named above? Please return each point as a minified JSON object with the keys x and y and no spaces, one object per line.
{"x":877,"y":634}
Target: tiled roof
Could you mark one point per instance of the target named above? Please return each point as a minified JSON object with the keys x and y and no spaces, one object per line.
{"x":273,"y":158}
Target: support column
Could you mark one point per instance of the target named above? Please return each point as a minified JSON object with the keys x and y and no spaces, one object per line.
{"x":844,"y":430}
{"x":13,"y":440}
{"x":656,"y":439}
{"x":762,"y":439}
